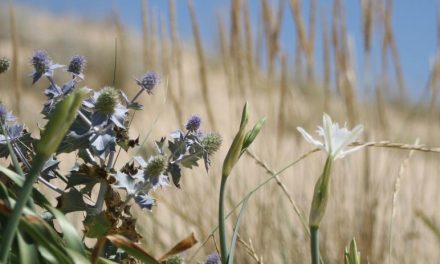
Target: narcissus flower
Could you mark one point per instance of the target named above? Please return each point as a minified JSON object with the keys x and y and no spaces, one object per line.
{"x":336,"y":139}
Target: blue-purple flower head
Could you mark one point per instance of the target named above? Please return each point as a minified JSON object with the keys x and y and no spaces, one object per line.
{"x":3,"y":111}
{"x":193,"y":123}
{"x":41,"y":61}
{"x":214,"y":258}
{"x":77,"y":64}
{"x":4,"y":64}
{"x":5,"y":115}
{"x":149,"y":81}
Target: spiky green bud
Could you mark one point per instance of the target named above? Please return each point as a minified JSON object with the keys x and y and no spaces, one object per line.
{"x":211,"y":142}
{"x":156,"y":165}
{"x":107,"y":100}
{"x":174,"y":260}
{"x":4,"y":64}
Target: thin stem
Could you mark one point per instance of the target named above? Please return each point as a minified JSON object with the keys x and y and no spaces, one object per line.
{"x":314,"y":244}
{"x":137,"y":95}
{"x":221,"y":222}
{"x":14,"y":219}
{"x":101,"y":197}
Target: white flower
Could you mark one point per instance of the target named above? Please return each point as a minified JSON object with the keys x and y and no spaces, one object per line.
{"x":336,"y":139}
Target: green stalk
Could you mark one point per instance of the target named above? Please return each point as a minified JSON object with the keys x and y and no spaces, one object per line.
{"x":314,"y":244}
{"x":221,"y":222}
{"x":14,"y":219}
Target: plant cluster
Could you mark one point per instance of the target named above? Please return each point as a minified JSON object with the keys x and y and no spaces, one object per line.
{"x":97,"y":124}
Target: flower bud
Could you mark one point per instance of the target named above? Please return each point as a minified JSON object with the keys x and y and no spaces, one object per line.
{"x":320,"y":195}
{"x":193,"y":123}
{"x":77,"y":64}
{"x":107,"y":100}
{"x":4,"y":64}
{"x":149,"y":81}
{"x":214,"y":258}
{"x":156,"y":165}
{"x":211,"y":142}
{"x":41,"y":61}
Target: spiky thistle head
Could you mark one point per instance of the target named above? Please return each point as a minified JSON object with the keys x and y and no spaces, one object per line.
{"x":41,"y":61}
{"x":193,"y":123}
{"x":108,"y":99}
{"x":149,"y":81}
{"x":4,"y":64}
{"x":155,"y":166}
{"x":211,"y":142}
{"x":214,"y":258}
{"x":77,"y":64}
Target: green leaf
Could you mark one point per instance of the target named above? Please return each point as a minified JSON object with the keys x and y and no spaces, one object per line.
{"x":70,"y":235}
{"x":96,"y":226}
{"x":244,"y":116}
{"x":64,"y":115}
{"x":236,"y":228}
{"x":72,"y":201}
{"x":27,"y":251}
{"x":251,"y":135}
{"x":132,"y":249}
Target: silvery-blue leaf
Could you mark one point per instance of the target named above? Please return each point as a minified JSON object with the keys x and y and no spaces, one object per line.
{"x":144,"y":201}
{"x":48,"y":168}
{"x":125,"y":97}
{"x":160,"y":181}
{"x":135,"y":106}
{"x":68,"y":87}
{"x":176,"y":174}
{"x":140,"y":161}
{"x":125,"y":181}
{"x":99,"y":120}
{"x":103,"y":144}
{"x":177,"y":134}
{"x":52,"y":91}
{"x":118,"y":117}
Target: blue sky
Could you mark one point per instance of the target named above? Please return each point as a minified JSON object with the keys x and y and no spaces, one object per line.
{"x":414,"y":24}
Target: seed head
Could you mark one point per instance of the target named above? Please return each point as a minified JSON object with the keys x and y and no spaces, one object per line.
{"x":41,"y":61}
{"x":156,"y":165}
{"x":193,"y":123}
{"x":211,"y":142}
{"x":4,"y":64}
{"x":107,"y":100}
{"x":149,"y":81}
{"x":77,"y":64}
{"x":214,"y":258}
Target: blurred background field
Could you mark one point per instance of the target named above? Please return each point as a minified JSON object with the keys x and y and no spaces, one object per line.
{"x":356,"y":74}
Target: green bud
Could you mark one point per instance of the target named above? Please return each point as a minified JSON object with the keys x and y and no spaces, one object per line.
{"x":320,"y":195}
{"x":237,"y":145}
{"x":174,"y":260}
{"x":107,"y":100}
{"x":4,"y":64}
{"x":211,"y":143}
{"x":352,"y":255}
{"x":156,"y":165}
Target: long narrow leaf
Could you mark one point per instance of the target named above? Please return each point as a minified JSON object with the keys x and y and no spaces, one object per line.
{"x":236,"y":228}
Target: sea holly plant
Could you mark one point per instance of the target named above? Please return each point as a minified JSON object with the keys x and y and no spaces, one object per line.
{"x":336,"y":141}
{"x":94,"y":125}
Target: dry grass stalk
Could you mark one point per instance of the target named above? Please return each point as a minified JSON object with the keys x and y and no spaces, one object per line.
{"x":311,"y":41}
{"x":434,"y":77}
{"x":153,"y":43}
{"x":390,"y":42}
{"x":282,"y":100}
{"x":145,"y":36}
{"x":249,"y":40}
{"x":166,"y":58}
{"x":177,"y":50}
{"x":250,"y":250}
{"x":295,"y":7}
{"x":272,"y":28}
{"x":326,"y":63}
{"x":402,"y":168}
{"x":120,"y":74}
{"x":345,"y":75}
{"x":235,"y":46}
{"x":367,"y":30}
{"x":202,"y":64}
{"x":15,"y":54}
{"x":224,"y":52}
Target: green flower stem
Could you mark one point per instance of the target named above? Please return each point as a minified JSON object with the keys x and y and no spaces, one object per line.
{"x":137,"y":95}
{"x":24,"y":195}
{"x":221,"y":221}
{"x":314,"y":244}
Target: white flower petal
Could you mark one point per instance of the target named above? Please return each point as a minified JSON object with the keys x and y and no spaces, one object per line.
{"x":343,"y":153}
{"x":349,"y":138}
{"x":328,"y":126}
{"x":309,"y":138}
